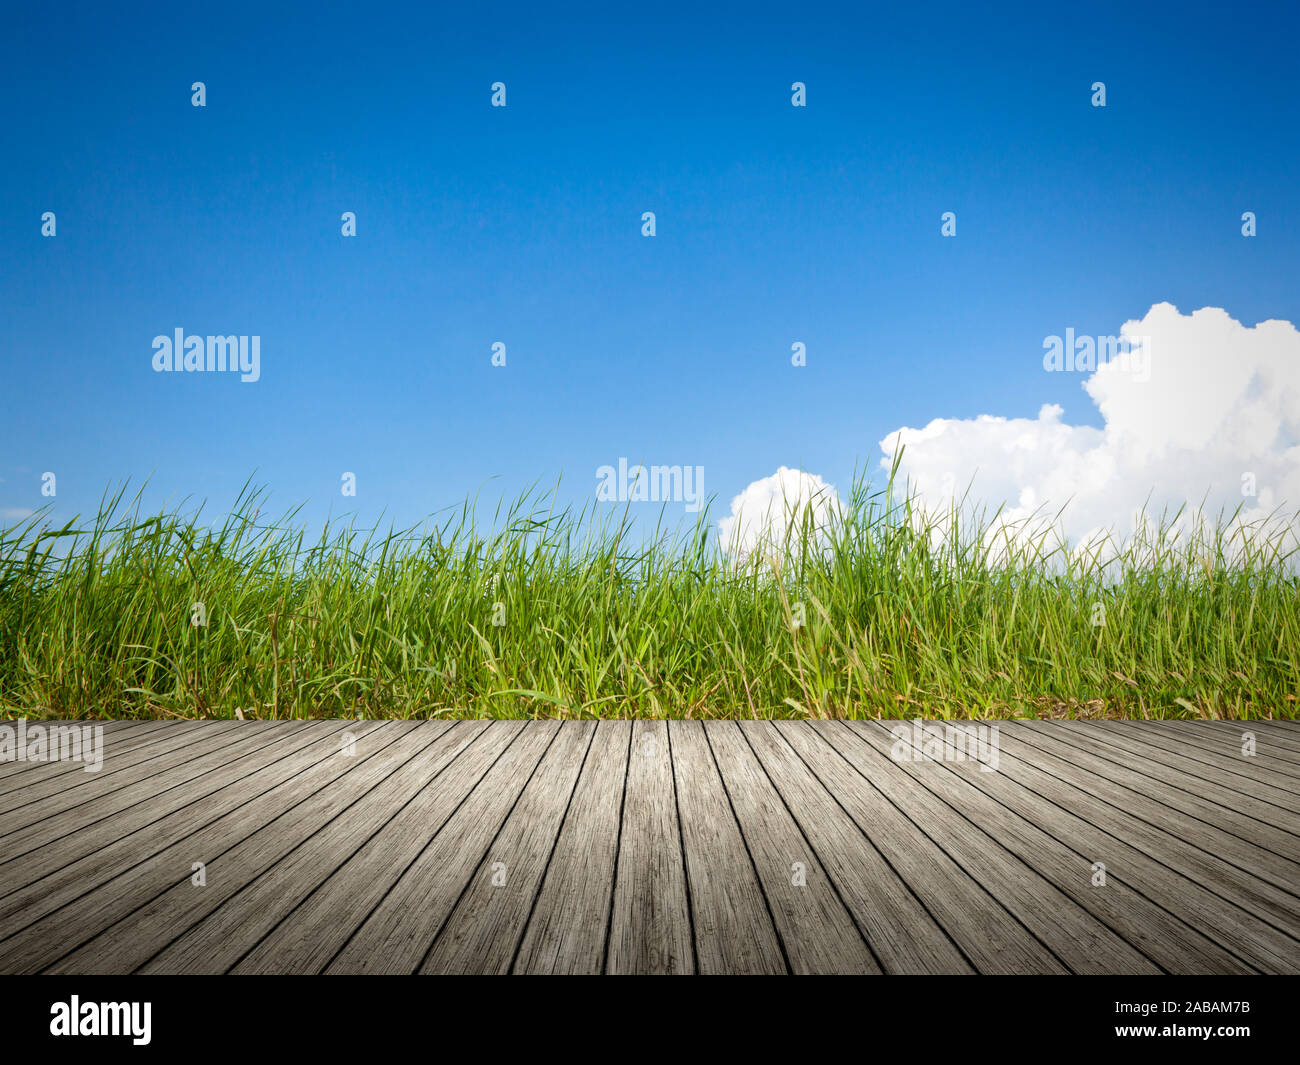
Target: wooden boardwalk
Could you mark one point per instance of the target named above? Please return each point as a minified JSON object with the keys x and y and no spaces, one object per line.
{"x":751,"y":847}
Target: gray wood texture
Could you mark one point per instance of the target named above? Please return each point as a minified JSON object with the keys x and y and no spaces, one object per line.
{"x":654,"y":847}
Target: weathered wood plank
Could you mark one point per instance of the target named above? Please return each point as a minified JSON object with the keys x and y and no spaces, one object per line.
{"x":1153,"y":863}
{"x":988,"y":935}
{"x":1194,"y":739}
{"x":482,"y":931}
{"x":1268,"y":752}
{"x":733,"y":927}
{"x":654,"y":847}
{"x":1237,"y":773}
{"x":1235,"y":863}
{"x":221,"y":751}
{"x":285,"y":894}
{"x":900,"y":930}
{"x":650,"y":926}
{"x":116,"y":742}
{"x":568,"y":927}
{"x":1076,"y":938}
{"x":109,"y":922}
{"x":1258,"y":809}
{"x":397,"y":933}
{"x":816,"y":930}
{"x":1279,"y":747}
{"x":70,"y":783}
{"x":1284,"y":726}
{"x":1166,"y":940}
{"x":40,"y":877}
{"x":1203,"y":800}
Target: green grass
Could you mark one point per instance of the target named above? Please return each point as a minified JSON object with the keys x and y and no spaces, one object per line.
{"x":97,"y":620}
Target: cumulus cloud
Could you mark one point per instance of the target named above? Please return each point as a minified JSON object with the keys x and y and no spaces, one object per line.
{"x":763,"y":514}
{"x":1210,"y":424}
{"x":1208,"y":419}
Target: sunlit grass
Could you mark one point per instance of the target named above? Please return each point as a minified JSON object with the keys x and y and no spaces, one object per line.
{"x":557,"y":612}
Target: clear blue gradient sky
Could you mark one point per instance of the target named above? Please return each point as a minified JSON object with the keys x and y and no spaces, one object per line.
{"x":522,"y":224}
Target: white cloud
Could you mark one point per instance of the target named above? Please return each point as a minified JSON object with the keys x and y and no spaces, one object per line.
{"x":1221,"y":406}
{"x":15,"y":513}
{"x":1216,"y":409}
{"x":763,"y":513}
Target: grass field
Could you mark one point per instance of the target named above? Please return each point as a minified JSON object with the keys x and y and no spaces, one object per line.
{"x":559,"y":613}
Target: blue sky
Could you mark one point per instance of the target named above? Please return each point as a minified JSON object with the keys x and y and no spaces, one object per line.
{"x":522,"y":224}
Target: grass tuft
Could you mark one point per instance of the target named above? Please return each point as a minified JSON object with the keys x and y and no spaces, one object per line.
{"x":554,"y":612}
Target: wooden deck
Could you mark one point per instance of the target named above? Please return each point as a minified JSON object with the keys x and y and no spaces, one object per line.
{"x":763,"y":847}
